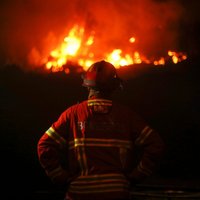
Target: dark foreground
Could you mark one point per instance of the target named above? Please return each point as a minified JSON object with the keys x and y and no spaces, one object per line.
{"x":167,"y":97}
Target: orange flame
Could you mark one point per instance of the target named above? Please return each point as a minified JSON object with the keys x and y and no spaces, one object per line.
{"x":177,"y":56}
{"x":76,"y":47}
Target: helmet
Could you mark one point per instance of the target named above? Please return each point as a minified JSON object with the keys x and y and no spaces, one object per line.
{"x":101,"y":76}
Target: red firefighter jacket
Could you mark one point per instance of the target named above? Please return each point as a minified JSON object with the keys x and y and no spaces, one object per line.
{"x":92,"y":147}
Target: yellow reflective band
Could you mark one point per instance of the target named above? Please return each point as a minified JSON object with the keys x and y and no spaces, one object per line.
{"x":104,"y":102}
{"x":95,"y":100}
{"x":56,"y":172}
{"x":144,"y":134}
{"x":85,"y":166}
{"x":99,"y":177}
{"x":100,"y":142}
{"x":99,"y":183}
{"x":99,"y":104}
{"x":82,"y":160}
{"x":81,"y":143}
{"x":100,"y":188}
{"x":55,"y":136}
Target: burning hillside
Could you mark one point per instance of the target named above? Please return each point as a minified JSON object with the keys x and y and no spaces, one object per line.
{"x":77,"y":47}
{"x":81,"y":49}
{"x":81,"y":32}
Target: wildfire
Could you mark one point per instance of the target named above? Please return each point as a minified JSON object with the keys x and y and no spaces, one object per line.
{"x":76,"y":47}
{"x":177,"y":56}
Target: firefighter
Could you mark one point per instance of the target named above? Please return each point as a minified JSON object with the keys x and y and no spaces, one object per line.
{"x":90,"y":149}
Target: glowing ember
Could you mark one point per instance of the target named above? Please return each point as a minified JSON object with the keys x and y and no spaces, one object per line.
{"x":79,"y":48}
{"x":159,"y":62}
{"x":132,"y":40}
{"x":177,"y":56}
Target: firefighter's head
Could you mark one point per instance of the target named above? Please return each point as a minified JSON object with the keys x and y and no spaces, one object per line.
{"x":102,"y":76}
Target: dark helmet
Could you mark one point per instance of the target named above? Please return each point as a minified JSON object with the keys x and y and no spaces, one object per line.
{"x":102,"y":76}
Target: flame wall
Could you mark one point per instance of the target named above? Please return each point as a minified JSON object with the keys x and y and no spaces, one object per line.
{"x":37,"y":26}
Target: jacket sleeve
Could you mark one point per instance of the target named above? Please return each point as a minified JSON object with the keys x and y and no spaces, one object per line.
{"x":151,"y":147}
{"x":51,"y":147}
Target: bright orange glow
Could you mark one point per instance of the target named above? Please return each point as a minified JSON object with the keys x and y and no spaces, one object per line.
{"x":137,"y":58}
{"x":132,"y":40}
{"x":117,"y":60}
{"x":79,"y":48}
{"x":177,"y":56}
{"x":71,"y":45}
{"x":85,"y":63}
{"x":90,"y":41}
{"x":159,"y":62}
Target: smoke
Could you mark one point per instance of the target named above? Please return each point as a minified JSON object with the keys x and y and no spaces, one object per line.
{"x":25,"y":24}
{"x":32,"y":28}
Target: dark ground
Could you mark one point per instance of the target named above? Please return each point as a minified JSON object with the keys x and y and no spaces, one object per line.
{"x":167,"y":97}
